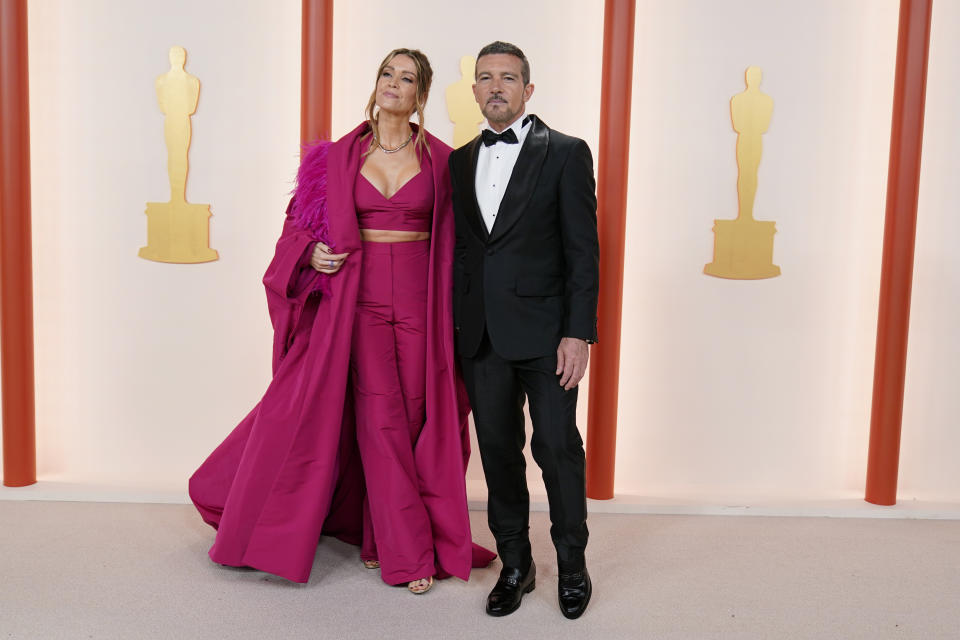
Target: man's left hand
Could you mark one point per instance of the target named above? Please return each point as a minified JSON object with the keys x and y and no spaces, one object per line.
{"x":572,"y":356}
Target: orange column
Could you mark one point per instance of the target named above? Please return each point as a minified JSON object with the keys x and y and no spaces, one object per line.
{"x":16,"y":271}
{"x":896,"y":278}
{"x":316,"y":70}
{"x":612,"y":219}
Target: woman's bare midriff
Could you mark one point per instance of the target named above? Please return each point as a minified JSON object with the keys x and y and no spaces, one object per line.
{"x":379,"y":235}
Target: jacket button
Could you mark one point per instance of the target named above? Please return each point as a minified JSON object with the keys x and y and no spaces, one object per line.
{"x":490,"y":252}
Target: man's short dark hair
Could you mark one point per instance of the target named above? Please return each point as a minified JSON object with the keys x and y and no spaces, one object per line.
{"x":509,"y":49}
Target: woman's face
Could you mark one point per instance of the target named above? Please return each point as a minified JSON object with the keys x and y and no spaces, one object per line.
{"x":397,"y":86}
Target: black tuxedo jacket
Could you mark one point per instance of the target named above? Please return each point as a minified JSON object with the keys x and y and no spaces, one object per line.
{"x":534,"y":278}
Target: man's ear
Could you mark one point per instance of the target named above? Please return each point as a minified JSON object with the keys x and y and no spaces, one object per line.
{"x":527,"y":92}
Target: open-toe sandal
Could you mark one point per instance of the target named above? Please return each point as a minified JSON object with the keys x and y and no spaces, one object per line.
{"x":421,"y":586}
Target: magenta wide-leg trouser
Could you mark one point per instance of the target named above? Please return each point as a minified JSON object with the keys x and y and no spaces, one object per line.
{"x":388,"y":369}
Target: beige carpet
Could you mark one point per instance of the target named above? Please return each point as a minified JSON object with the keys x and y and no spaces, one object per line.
{"x":91,"y":570}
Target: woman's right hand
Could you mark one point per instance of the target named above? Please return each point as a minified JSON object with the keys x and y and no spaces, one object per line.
{"x":324,"y":261}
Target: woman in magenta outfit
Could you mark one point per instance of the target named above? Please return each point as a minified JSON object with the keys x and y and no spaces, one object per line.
{"x":362,"y":431}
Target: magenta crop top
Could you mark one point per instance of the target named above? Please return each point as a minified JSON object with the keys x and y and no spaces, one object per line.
{"x":409,"y":209}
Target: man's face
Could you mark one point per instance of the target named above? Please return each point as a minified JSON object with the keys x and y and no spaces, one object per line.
{"x":499,"y":89}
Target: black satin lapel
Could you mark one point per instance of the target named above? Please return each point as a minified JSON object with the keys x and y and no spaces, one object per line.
{"x":468,"y":181}
{"x":523,"y":180}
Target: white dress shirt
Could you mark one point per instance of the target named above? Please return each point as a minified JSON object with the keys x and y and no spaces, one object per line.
{"x":494,"y":166}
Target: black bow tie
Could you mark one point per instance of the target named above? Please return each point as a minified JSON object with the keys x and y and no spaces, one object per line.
{"x":490,"y":137}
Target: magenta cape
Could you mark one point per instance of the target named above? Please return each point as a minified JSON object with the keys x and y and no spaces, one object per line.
{"x":291,"y":470}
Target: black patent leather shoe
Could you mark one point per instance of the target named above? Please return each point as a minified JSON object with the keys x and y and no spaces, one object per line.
{"x":574,"y":591}
{"x":512,"y":584}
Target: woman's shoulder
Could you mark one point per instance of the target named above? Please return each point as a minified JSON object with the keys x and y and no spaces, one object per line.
{"x":316,"y":152}
{"x":320,"y":144}
{"x":355,"y":134}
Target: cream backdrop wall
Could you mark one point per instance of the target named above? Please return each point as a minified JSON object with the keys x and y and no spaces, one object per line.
{"x":731,"y":392}
{"x":738,"y":391}
{"x":143,"y":367}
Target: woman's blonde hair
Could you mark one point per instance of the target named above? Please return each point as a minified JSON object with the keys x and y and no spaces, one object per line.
{"x":424,"y":78}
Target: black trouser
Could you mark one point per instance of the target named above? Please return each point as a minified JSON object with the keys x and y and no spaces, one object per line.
{"x":497,"y":389}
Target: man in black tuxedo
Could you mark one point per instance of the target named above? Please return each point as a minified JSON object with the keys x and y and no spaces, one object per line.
{"x":526,"y":279}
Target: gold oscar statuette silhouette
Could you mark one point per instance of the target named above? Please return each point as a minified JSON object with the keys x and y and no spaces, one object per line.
{"x":462,"y":106}
{"x":178,"y":231}
{"x":743,"y":248}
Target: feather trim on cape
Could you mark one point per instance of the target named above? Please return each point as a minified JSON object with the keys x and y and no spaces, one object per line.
{"x":310,"y":192}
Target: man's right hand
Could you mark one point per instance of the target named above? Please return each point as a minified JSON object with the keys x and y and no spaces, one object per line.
{"x":324,"y":261}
